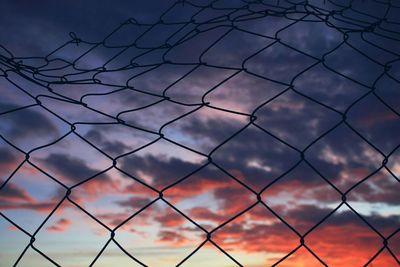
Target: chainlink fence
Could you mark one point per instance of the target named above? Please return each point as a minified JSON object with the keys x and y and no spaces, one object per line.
{"x":134,"y":50}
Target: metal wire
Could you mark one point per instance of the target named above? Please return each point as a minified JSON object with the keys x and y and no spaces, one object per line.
{"x":227,"y":17}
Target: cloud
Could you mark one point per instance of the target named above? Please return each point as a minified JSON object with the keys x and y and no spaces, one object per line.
{"x":203,"y":213}
{"x":380,"y":188}
{"x":113,"y":218}
{"x":170,"y":219}
{"x":27,"y":123}
{"x":134,"y":202}
{"x":255,"y":238}
{"x":8,"y":161}
{"x":12,"y":192}
{"x":378,"y":124}
{"x":12,"y":197}
{"x":160,"y":170}
{"x":7,"y":157}
{"x":61,"y":225}
{"x":71,"y":168}
{"x":40,"y":207}
{"x":112,"y":147}
{"x":172,"y":238}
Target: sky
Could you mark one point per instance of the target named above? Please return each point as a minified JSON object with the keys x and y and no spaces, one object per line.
{"x":199,"y":133}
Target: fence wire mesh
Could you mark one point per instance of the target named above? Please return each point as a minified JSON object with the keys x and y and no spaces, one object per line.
{"x":134,"y":50}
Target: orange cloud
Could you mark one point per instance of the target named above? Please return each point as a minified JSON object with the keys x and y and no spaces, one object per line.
{"x":172,"y":238}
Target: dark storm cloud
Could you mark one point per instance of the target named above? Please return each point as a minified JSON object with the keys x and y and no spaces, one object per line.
{"x":113,"y":147}
{"x":134,"y":202}
{"x":210,"y":128}
{"x":6,"y":157}
{"x":312,"y":120}
{"x":163,"y":171}
{"x":73,"y":169}
{"x":26,"y":123}
{"x":377,"y":123}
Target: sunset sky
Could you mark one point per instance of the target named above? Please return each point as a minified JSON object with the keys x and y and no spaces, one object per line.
{"x":202,"y":133}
